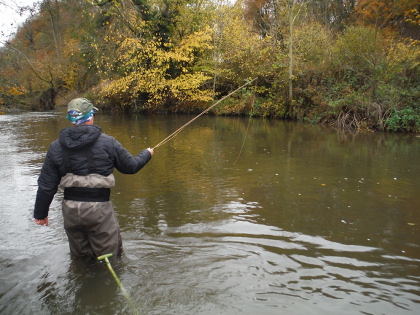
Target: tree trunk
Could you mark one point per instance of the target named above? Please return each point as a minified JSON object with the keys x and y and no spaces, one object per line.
{"x":291,"y":5}
{"x":47,"y":99}
{"x":290,"y":56}
{"x":54,"y":19}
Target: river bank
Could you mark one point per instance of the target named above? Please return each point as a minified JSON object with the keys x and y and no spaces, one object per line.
{"x":350,"y":119}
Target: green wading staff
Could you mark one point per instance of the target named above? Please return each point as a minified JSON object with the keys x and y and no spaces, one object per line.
{"x":123,"y":290}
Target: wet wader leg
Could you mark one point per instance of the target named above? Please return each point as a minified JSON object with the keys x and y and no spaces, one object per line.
{"x":78,"y":239}
{"x":79,"y":243}
{"x":104,"y":232}
{"x":120,"y":248}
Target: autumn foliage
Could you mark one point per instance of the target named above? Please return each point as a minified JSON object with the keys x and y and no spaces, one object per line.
{"x":352,"y":64}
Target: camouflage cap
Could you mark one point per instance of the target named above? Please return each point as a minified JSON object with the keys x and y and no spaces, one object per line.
{"x":81,"y":105}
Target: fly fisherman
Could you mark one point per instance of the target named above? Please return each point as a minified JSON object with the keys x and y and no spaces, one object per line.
{"x":82,"y":161}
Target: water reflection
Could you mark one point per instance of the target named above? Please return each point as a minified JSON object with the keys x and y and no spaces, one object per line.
{"x":295,"y":219}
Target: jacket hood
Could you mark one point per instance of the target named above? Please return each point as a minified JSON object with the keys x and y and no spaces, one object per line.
{"x":78,"y":137}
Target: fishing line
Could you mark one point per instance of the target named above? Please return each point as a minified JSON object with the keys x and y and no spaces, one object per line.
{"x":247,"y":127}
{"x":172,"y":135}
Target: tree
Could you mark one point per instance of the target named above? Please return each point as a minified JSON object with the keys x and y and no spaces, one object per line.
{"x":391,"y":14}
{"x":262,"y":14}
{"x":291,"y":4}
{"x":151,"y":69}
{"x":331,"y":13}
{"x":243,"y":53}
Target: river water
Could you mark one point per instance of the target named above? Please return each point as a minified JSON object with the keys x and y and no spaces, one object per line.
{"x":233,"y":216}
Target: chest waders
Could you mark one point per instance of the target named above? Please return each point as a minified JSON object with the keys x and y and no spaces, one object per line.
{"x":89,"y":217}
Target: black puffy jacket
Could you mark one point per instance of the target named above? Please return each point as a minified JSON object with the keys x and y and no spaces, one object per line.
{"x":107,"y":154}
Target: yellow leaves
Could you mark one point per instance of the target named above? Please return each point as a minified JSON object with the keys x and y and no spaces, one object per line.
{"x":163,"y":71}
{"x":198,"y":40}
{"x":187,"y":87}
{"x":9,"y":93}
{"x":311,"y":43}
{"x":16,"y":90}
{"x":239,"y":51}
{"x":414,"y":42}
{"x":412,"y":16}
{"x":404,"y":55}
{"x":388,"y":13}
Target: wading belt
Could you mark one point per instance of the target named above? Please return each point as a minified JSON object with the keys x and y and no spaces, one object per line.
{"x":87,"y":194}
{"x":83,"y":193}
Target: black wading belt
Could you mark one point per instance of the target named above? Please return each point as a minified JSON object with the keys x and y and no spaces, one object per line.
{"x":87,"y":194}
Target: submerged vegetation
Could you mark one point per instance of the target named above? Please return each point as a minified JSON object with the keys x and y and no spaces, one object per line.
{"x":352,"y":64}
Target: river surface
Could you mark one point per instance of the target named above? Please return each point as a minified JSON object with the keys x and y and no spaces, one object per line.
{"x":232,"y":216}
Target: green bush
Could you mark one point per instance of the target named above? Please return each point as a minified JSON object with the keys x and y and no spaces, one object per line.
{"x":407,"y":120}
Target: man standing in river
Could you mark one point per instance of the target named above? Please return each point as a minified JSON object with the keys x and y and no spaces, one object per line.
{"x":82,"y":161}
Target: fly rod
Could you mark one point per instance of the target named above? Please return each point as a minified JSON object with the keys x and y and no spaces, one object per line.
{"x":172,"y":135}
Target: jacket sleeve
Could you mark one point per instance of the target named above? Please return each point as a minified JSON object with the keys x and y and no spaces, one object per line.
{"x":127,"y":163}
{"x":48,"y":182}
